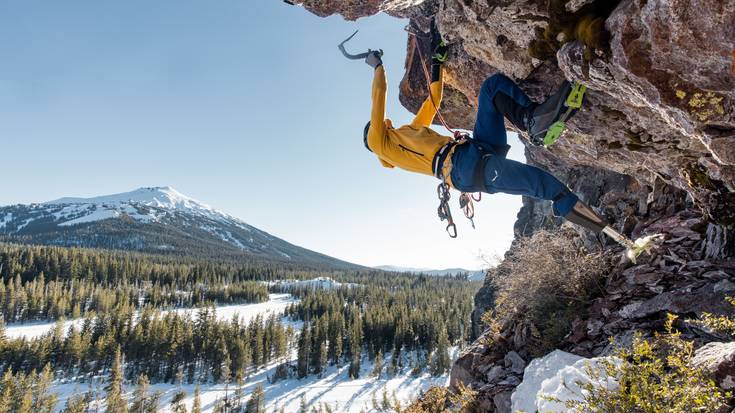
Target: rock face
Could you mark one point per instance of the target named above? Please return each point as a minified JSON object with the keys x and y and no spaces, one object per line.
{"x":653,"y":147}
{"x":661,"y":104}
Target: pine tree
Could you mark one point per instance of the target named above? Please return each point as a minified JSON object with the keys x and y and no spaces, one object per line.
{"x":43,"y":401}
{"x":77,"y":404}
{"x":354,"y":370}
{"x":177,"y":402}
{"x":7,"y":390}
{"x":24,"y":398}
{"x":256,"y":404}
{"x":196,"y":406}
{"x":302,"y":363}
{"x":378,"y":365}
{"x":152,"y":406}
{"x":225,"y":376}
{"x":303,"y":407}
{"x":385,"y":401}
{"x":238,"y":399}
{"x":440,"y":362}
{"x":115,"y":402}
{"x":140,"y":395}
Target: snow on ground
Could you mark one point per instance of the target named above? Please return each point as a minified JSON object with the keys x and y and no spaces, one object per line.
{"x":557,"y":375}
{"x":276,"y":304}
{"x":36,"y":329}
{"x":317,"y":283}
{"x":334,"y":388}
{"x":97,"y":215}
{"x":7,"y":218}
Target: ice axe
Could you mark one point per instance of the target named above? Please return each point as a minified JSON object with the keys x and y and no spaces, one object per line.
{"x":358,"y":56}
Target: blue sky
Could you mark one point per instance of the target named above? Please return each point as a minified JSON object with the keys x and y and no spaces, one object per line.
{"x":246,"y":106}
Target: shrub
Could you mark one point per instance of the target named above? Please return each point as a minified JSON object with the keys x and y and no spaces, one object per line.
{"x":722,"y":325}
{"x":655,"y":376}
{"x":442,"y":400}
{"x":548,"y":281}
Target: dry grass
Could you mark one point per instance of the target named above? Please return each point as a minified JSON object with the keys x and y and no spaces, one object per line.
{"x":548,"y":281}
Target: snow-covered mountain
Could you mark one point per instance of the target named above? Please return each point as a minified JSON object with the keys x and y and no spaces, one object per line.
{"x":152,"y":219}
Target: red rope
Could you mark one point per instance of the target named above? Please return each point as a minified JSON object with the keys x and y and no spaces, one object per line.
{"x":427,"y":77}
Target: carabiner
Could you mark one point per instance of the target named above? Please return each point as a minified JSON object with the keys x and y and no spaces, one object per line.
{"x":452,"y":230}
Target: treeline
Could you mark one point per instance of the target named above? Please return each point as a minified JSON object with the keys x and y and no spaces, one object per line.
{"x":423,"y":318}
{"x":105,"y":267}
{"x":46,"y":283}
{"x":50,"y":300}
{"x":158,"y":345}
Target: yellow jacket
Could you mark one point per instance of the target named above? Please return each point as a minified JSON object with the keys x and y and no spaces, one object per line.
{"x":410,"y":147}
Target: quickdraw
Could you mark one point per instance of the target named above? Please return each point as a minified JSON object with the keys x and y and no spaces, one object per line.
{"x":444,"y":212}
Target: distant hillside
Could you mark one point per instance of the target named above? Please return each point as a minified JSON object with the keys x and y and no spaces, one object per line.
{"x":155,"y":220}
{"x":473,"y":275}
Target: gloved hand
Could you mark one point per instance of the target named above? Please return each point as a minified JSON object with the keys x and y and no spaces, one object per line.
{"x":438,"y":47}
{"x":373,"y":58}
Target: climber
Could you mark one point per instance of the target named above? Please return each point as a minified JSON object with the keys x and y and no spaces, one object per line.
{"x":477,"y":164}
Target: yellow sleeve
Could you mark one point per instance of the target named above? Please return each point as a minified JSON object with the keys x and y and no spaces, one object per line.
{"x":386,"y":164}
{"x":425,"y":115}
{"x":377,"y":133}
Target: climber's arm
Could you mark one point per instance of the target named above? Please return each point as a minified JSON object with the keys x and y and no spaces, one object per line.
{"x":377,"y":132}
{"x":425,"y":114}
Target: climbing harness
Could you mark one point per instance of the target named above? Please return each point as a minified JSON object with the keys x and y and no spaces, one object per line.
{"x":466,"y":201}
{"x":358,"y":56}
{"x":573,"y":102}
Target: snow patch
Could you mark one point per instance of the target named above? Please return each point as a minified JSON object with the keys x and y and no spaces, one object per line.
{"x":557,"y":376}
{"x":97,"y":215}
{"x":7,"y":218}
{"x":316,"y":283}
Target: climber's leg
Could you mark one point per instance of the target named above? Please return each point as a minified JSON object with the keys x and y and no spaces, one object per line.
{"x":489,"y":126}
{"x":511,"y":177}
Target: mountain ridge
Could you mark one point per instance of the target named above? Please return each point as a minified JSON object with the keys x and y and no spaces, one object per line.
{"x":156,"y":219}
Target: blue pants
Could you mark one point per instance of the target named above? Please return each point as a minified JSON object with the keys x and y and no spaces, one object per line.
{"x":501,"y":174}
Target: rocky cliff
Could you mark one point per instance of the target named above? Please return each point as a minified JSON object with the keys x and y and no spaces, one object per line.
{"x":654,"y":147}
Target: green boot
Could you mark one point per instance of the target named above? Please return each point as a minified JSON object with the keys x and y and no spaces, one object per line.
{"x":547,"y":120}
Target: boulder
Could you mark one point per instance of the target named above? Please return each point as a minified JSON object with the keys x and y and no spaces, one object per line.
{"x":718,"y":359}
{"x":537,"y":371}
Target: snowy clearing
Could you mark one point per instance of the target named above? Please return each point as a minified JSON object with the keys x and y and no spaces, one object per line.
{"x":276,"y":304}
{"x":316,"y":283}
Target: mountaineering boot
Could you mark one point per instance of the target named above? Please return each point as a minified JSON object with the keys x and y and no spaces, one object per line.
{"x":547,"y":120}
{"x":516,"y":113}
{"x":584,"y":216}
